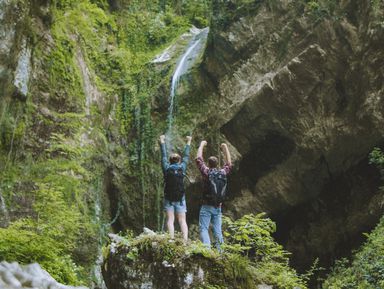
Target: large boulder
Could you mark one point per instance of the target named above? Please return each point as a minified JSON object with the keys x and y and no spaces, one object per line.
{"x":154,"y":261}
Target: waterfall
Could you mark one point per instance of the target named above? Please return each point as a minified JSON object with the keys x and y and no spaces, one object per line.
{"x":180,"y":69}
{"x":23,"y":69}
{"x":99,"y":281}
{"x":193,"y":51}
{"x":4,"y":216}
{"x":92,"y":94}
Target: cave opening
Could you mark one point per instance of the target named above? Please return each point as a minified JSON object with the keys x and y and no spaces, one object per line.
{"x":331,"y":225}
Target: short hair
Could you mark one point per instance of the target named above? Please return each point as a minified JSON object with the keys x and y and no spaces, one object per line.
{"x":174,"y":158}
{"x":213,"y":162}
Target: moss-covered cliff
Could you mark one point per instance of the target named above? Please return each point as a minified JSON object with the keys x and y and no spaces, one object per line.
{"x":76,"y":125}
{"x":295,"y":87}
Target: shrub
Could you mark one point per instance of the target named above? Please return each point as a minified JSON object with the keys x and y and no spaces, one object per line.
{"x":365,"y":270}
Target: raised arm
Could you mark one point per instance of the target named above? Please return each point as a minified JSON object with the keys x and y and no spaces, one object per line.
{"x":227,"y":155}
{"x":201,"y":149}
{"x":200,"y":161}
{"x":164,"y":157}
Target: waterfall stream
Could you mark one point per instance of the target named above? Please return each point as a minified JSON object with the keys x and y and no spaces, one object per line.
{"x":92,"y":96}
{"x":23,"y":69}
{"x":99,"y":282}
{"x":180,"y":70}
{"x":192,"y":52}
{"x":4,"y":216}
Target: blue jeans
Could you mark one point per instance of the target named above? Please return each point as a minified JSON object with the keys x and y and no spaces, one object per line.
{"x":208,"y":214}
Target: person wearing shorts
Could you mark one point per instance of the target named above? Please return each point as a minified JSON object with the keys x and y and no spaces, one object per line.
{"x":178,"y":208}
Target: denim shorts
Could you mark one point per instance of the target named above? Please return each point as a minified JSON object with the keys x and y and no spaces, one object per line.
{"x":176,"y":207}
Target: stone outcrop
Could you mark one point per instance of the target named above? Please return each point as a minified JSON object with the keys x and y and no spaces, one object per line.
{"x":299,"y":96}
{"x":15,"y":276}
{"x":157,"y":262}
{"x":124,"y":269}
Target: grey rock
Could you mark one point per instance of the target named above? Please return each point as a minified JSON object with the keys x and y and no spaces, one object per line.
{"x":301,"y":106}
{"x":16,"y":276}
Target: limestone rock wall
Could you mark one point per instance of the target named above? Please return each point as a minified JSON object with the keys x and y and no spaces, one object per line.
{"x":300,"y":99}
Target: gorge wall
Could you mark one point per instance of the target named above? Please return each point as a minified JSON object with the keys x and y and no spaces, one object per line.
{"x":298,"y":93}
{"x":295,"y":88}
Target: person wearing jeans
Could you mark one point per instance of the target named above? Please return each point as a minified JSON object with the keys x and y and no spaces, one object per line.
{"x":210,"y":212}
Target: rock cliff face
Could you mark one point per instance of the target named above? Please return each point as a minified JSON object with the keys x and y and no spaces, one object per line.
{"x":299,"y":95}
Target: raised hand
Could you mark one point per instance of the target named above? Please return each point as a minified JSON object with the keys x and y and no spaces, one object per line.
{"x":203,"y":143}
{"x":189,"y":139}
{"x":162,"y":138}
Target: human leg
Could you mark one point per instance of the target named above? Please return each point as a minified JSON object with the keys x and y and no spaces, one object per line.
{"x":180,"y":210}
{"x":169,"y":209}
{"x":216,"y":227}
{"x":181,"y":218}
{"x":170,"y":223}
{"x":204,"y":220}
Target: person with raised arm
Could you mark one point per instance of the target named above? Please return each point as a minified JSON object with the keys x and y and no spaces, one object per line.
{"x":213,"y":194}
{"x":174,"y":170}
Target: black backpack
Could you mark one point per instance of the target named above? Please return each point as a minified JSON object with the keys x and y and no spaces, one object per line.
{"x":217,"y":186}
{"x":174,"y":184}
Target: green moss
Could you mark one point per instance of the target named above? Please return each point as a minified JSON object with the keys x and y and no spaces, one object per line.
{"x":51,"y":161}
{"x":235,"y":267}
{"x":24,"y":243}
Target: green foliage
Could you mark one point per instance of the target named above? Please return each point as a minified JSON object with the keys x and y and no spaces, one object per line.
{"x":236,"y":267}
{"x":251,"y":236}
{"x":48,"y":182}
{"x":197,"y":12}
{"x":377,"y":10}
{"x":50,"y":193}
{"x":226,"y":12}
{"x":376,"y":157}
{"x":64,"y":80}
{"x":58,"y":222}
{"x":23,"y":242}
{"x":365,"y":270}
{"x":320,"y":9}
{"x":239,"y":269}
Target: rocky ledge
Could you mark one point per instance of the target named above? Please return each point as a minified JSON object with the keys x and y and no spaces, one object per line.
{"x":155,"y":261}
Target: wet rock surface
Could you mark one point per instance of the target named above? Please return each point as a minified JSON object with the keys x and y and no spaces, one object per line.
{"x":301,"y":103}
{"x":16,"y":276}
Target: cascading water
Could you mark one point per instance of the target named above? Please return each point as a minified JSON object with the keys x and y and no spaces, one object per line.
{"x":92,"y":94}
{"x":23,"y":69}
{"x":193,"y":51}
{"x":98,"y":277}
{"x":4,"y":216}
{"x":175,"y":81}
